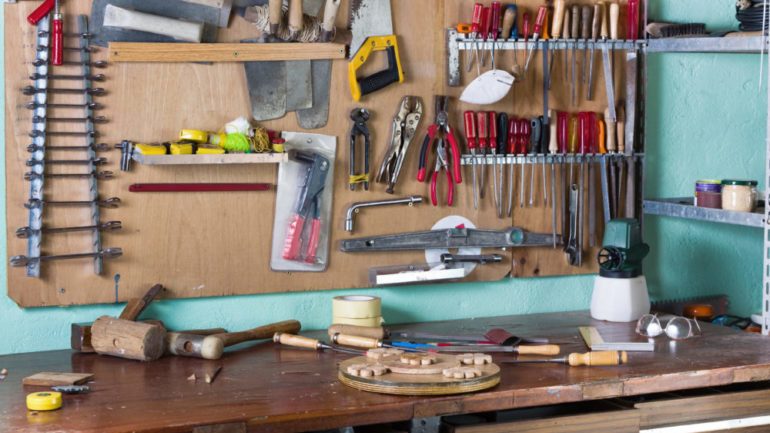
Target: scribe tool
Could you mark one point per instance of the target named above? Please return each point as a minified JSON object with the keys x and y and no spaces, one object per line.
{"x":589,"y":359}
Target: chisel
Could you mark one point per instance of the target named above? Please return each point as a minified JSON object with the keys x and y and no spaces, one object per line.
{"x":496,"y":335}
{"x":589,"y":359}
{"x":598,"y":19}
{"x":556,"y":32}
{"x":371,"y":343}
{"x":309,"y":343}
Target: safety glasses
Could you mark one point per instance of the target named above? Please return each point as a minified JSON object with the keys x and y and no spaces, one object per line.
{"x":677,"y":328}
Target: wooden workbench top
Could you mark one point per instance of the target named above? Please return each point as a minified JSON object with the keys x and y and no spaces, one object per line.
{"x":272,"y":388}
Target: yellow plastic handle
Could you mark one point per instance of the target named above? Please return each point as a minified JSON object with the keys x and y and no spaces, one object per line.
{"x":540,"y":349}
{"x":594,"y":359}
{"x":372,"y":44}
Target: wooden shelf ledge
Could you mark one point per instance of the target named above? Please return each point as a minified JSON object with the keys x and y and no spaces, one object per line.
{"x":154,"y":52}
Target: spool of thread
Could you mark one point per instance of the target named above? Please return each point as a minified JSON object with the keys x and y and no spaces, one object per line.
{"x":359,"y":310}
{"x":43,"y":401}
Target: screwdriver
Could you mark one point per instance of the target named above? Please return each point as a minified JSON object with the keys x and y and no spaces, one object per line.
{"x":309,"y":343}
{"x":486,"y":21}
{"x":57,"y":43}
{"x":475,"y":29}
{"x":511,"y":31}
{"x":492,"y":125}
{"x":525,"y":130}
{"x":575,"y":33}
{"x":553,"y":148}
{"x":566,"y":35}
{"x":470,"y":138}
{"x":585,"y":34}
{"x":494,"y":26}
{"x":502,"y":146}
{"x":513,"y":137}
{"x":595,"y":28}
{"x":633,"y":19}
{"x":542,"y":13}
{"x":525,"y":28}
{"x":482,"y":136}
{"x":589,"y":359}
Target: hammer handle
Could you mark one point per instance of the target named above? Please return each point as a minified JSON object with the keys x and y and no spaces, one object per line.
{"x":134,"y":307}
{"x":260,"y":333}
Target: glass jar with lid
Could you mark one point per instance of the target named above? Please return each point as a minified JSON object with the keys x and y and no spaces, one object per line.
{"x":739,"y":195}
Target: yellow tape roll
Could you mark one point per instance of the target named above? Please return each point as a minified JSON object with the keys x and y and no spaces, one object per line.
{"x":368,"y":322}
{"x":44,"y":401}
{"x":356,"y":307}
{"x":194,"y":135}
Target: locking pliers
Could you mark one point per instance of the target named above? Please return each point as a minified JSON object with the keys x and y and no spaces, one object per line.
{"x":404,"y":128}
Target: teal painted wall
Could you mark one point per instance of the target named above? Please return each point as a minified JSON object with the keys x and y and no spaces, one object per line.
{"x":689,"y":137}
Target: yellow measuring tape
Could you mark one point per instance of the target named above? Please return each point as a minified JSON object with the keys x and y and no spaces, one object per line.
{"x":44,"y":401}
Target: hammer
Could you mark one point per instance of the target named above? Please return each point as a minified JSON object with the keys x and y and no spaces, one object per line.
{"x":212,"y":346}
{"x":80,"y":338}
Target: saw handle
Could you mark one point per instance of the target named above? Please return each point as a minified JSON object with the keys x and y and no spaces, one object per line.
{"x":377,"y":332}
{"x":539,"y":349}
{"x":296,"y":341}
{"x":379,"y":80}
{"x":598,"y":359}
{"x":356,"y":341}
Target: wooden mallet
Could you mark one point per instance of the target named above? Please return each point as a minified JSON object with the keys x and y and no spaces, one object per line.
{"x":212,"y":346}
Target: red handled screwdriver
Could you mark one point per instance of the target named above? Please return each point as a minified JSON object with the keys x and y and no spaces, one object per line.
{"x":483,"y":137}
{"x":475,"y":29}
{"x":542,"y":13}
{"x":492,"y":121}
{"x":57,"y":43}
{"x":470,"y":138}
{"x":486,"y":21}
{"x":43,"y":10}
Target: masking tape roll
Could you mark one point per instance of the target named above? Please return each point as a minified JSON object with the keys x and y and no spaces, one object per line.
{"x":44,"y":401}
{"x":356,"y":307}
{"x":194,"y":135}
{"x":371,"y":322}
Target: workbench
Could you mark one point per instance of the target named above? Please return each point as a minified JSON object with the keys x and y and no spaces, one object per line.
{"x":270,"y":388}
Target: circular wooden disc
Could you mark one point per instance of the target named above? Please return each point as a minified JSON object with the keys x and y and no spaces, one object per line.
{"x":418,"y":384}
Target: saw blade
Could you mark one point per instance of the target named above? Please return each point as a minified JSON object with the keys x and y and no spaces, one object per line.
{"x":369,"y":18}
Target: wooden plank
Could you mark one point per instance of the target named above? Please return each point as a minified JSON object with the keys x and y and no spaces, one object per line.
{"x":156,"y":52}
{"x":622,"y":421}
{"x":701,"y":409}
{"x":56,"y":379}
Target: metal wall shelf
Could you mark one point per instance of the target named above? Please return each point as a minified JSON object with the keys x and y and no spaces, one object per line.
{"x":541,"y":158}
{"x":684,"y":208}
{"x":728,"y":44}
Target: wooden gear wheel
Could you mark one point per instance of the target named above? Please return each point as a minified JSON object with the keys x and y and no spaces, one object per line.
{"x":418,"y":374}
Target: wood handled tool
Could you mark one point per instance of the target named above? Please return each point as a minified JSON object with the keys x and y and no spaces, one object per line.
{"x":127,"y":339}
{"x":368,"y":343}
{"x":212,"y":346}
{"x":497,"y":336}
{"x":586,"y":20}
{"x":310,"y":343}
{"x":80,"y":333}
{"x":330,"y":16}
{"x":589,"y":359}
{"x":575,"y":33}
{"x":275,"y":15}
{"x":296,"y":19}
{"x":598,"y":21}
{"x":538,"y":349}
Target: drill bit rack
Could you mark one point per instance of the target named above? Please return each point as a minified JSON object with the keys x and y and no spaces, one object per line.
{"x":40,"y":99}
{"x":38,"y":152}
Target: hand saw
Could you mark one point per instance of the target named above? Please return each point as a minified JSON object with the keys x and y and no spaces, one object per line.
{"x":371,"y":25}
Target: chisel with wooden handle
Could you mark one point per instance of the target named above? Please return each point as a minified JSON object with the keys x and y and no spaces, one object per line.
{"x":310,"y":343}
{"x":589,"y":359}
{"x":330,"y":16}
{"x":540,"y":349}
{"x":370,"y":343}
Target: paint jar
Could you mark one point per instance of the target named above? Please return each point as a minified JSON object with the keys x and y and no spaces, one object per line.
{"x":708,"y":193}
{"x":739,"y":195}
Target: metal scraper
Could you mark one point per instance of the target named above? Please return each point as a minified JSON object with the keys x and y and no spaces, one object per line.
{"x":369,"y":18}
{"x":318,"y":115}
{"x":299,"y":85}
{"x":267,"y":88}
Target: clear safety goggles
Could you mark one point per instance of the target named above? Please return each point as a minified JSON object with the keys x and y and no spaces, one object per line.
{"x":677,"y":328}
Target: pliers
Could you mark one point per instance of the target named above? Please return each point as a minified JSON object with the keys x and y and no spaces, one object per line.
{"x":441,"y":129}
{"x":404,"y":128}
{"x":442,"y":163}
{"x":359,"y":116}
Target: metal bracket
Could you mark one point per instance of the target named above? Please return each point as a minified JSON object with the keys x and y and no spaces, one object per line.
{"x":425,"y":425}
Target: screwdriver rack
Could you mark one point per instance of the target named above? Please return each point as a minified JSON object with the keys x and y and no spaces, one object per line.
{"x":38,"y":152}
{"x":37,"y":182}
